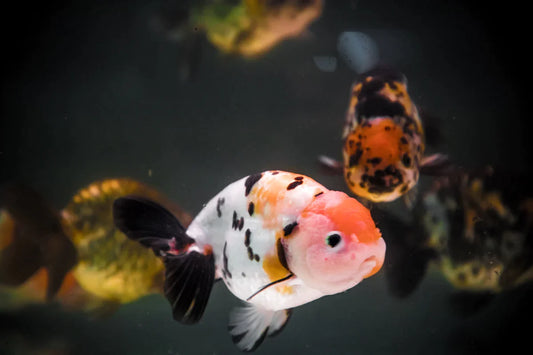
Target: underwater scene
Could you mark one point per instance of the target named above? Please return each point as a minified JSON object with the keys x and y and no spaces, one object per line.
{"x":267,"y":176}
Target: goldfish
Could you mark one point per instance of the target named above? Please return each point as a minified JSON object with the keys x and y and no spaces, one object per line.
{"x":108,"y":270}
{"x":246,"y":28}
{"x":384,"y":140}
{"x":475,"y":228}
{"x":277,"y":239}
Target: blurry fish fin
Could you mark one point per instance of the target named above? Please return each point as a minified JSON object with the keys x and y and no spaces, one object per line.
{"x":410,"y":197}
{"x":150,"y":224}
{"x":466,"y":303}
{"x":75,"y":298}
{"x":406,"y":256}
{"x":188,"y":282}
{"x":519,"y":270}
{"x":327,"y":64}
{"x":19,"y":261}
{"x":330,"y":166}
{"x":249,"y":325}
{"x":38,"y":240}
{"x":59,"y":259}
{"x":437,"y":165}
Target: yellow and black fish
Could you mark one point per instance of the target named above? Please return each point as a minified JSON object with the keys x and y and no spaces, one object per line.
{"x":384,"y":140}
{"x":108,"y":270}
{"x":475,"y":228}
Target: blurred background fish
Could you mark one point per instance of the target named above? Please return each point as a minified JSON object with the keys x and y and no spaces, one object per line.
{"x":248,"y":28}
{"x":474,"y":228}
{"x":95,"y":268}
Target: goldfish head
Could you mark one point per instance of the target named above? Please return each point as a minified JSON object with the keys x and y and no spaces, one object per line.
{"x":381,"y":158}
{"x":335,"y":244}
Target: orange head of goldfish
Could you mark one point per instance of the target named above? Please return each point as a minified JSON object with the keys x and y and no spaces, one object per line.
{"x":335,"y":244}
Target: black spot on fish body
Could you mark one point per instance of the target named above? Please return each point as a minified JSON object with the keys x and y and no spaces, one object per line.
{"x":275,"y":172}
{"x":247,"y":236}
{"x":250,"y":182}
{"x":298,"y":178}
{"x":225,"y":270}
{"x":321,"y":192}
{"x":287,"y":230}
{"x":281,"y":254}
{"x":406,"y":160}
{"x":294,"y":184}
{"x":251,"y":208}
{"x":256,"y":257}
{"x":235,"y":222}
{"x":403,"y":140}
{"x":220,"y":202}
{"x":354,"y":158}
{"x":374,"y":161}
{"x":243,"y":274}
{"x":250,"y":253}
{"x":241,"y":223}
{"x":380,"y":106}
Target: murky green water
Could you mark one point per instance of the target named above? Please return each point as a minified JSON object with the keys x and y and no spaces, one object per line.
{"x":90,"y":92}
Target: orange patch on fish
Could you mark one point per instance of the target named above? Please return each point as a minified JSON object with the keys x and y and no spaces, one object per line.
{"x":267,"y":195}
{"x":273,"y":267}
{"x":379,"y":139}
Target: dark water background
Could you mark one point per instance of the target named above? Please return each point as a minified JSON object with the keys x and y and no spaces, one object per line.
{"x":89,"y":92}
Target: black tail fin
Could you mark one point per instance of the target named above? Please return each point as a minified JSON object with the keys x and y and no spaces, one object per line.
{"x":189,"y":275}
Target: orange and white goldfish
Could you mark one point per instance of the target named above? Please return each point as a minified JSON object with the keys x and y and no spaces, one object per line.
{"x":383,"y":138}
{"x":277,"y":239}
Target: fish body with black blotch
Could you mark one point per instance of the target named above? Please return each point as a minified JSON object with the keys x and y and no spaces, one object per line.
{"x":384,"y":144}
{"x":277,"y":239}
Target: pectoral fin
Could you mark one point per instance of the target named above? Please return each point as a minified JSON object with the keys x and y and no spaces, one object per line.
{"x":249,"y":325}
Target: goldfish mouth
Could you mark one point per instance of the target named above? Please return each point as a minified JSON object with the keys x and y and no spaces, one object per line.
{"x":368,"y":265}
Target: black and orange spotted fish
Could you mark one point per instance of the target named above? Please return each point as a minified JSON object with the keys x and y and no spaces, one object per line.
{"x":384,"y":139}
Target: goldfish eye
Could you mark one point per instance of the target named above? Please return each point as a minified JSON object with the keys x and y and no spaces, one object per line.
{"x":333,"y":239}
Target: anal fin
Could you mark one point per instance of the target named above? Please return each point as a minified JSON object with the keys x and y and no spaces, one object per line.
{"x":249,"y":325}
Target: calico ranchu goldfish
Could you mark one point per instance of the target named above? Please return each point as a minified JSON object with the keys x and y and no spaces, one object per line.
{"x":384,"y":139}
{"x":277,"y":239}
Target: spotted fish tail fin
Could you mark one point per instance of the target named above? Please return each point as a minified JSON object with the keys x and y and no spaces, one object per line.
{"x":249,"y":325}
{"x":189,"y":270}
